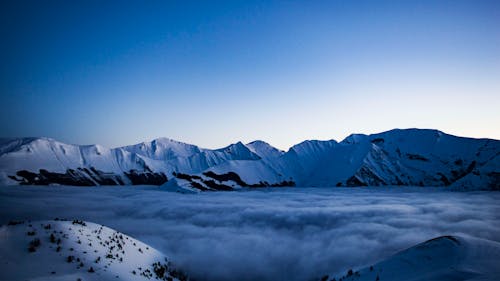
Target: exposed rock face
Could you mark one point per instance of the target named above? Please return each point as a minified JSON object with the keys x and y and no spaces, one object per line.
{"x":88,"y":177}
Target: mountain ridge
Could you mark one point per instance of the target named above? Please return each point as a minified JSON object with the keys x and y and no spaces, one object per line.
{"x":424,"y":157}
{"x":350,"y":136}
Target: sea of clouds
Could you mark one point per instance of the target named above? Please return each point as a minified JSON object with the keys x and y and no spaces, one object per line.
{"x":280,"y":234}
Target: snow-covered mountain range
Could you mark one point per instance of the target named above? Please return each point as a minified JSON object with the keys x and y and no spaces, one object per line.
{"x":417,"y":157}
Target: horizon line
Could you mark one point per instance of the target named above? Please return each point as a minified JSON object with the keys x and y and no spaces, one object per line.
{"x":256,"y":140}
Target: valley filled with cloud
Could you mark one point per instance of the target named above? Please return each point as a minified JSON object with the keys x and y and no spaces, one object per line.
{"x":267,"y":234}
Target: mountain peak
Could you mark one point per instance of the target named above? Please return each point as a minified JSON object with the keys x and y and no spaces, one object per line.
{"x":313,"y":145}
{"x":258,"y":142}
{"x":163,"y":149}
{"x":354,"y":138}
{"x":264,"y":149}
{"x":165,"y":139}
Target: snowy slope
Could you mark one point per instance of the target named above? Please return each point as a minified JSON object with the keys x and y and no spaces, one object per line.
{"x":397,"y":157}
{"x":77,"y":250}
{"x":44,"y":161}
{"x":249,"y":171}
{"x":187,"y":158}
{"x":441,"y":258}
{"x":486,"y":176}
{"x":227,"y":176}
{"x":420,"y":157}
{"x":264,"y":150}
{"x":413,"y":157}
{"x":322,"y":163}
{"x":163,"y":149}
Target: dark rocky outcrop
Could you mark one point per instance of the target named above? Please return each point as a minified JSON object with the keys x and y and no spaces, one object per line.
{"x":230,"y":176}
{"x":217,"y":186}
{"x":44,"y":177}
{"x":147,"y":178}
{"x":88,"y":177}
{"x":225,"y":181}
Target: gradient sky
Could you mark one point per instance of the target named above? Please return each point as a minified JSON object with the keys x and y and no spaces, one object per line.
{"x":214,"y":72}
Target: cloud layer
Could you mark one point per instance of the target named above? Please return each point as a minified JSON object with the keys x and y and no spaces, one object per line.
{"x":294,"y":234}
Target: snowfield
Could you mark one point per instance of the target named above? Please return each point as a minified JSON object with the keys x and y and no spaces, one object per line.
{"x":78,"y":250}
{"x":265,"y":234}
{"x":438,"y":259}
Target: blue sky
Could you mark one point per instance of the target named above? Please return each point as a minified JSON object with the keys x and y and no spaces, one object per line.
{"x":215,"y":72}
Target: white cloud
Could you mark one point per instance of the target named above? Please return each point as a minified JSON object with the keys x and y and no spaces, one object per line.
{"x":294,"y":234}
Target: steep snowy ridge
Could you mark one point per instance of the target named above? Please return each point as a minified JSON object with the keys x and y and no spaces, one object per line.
{"x":414,"y":157}
{"x":323,"y":163}
{"x":46,"y":161}
{"x":163,"y":149}
{"x":485,"y":174}
{"x":422,"y":157}
{"x":264,"y":150}
{"x":303,"y":158}
{"x":187,"y":158}
{"x":237,"y":151}
{"x":13,"y":144}
{"x":249,"y":171}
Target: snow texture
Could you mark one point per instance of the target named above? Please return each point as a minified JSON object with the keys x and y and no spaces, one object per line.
{"x":438,"y":259}
{"x":77,"y":250}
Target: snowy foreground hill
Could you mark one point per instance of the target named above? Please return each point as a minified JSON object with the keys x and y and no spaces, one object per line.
{"x":78,"y":250}
{"x":439,"y":259}
{"x":413,"y":157}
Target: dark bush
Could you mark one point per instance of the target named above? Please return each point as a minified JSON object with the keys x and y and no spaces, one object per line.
{"x":349,"y":272}
{"x":35,"y":243}
{"x":82,"y":223}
